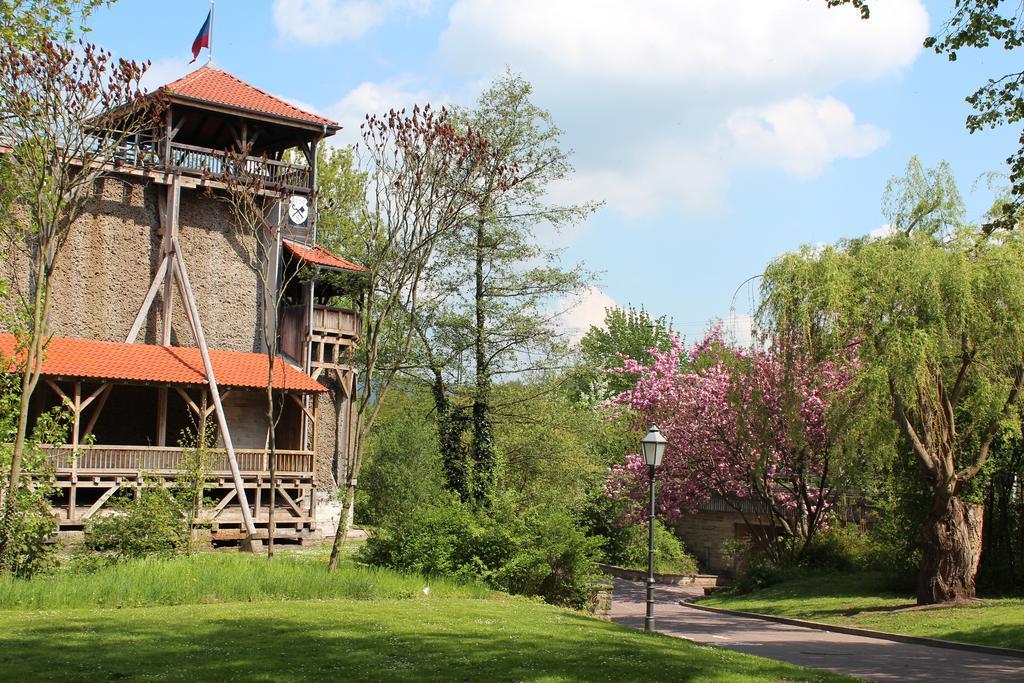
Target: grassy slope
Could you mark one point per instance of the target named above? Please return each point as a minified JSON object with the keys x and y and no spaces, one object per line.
{"x":859,"y":600}
{"x":231,"y":617}
{"x":417,"y":639}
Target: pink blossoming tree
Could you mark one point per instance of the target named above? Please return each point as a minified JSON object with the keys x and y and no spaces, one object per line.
{"x":756,"y":428}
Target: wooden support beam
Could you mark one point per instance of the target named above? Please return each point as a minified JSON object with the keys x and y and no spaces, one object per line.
{"x":188,"y":400}
{"x":99,"y":502}
{"x":63,"y":397}
{"x":161,"y":416}
{"x":224,"y":503}
{"x":170,"y":235}
{"x":291,"y":503}
{"x":107,"y":388}
{"x":191,"y":310}
{"x":147,"y":303}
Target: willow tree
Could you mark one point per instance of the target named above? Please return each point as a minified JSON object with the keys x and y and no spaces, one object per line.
{"x":938,"y":320}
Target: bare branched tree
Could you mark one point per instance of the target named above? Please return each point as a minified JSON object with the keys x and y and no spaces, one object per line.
{"x":69,"y":112}
{"x":255,"y":208}
{"x":421,"y":185}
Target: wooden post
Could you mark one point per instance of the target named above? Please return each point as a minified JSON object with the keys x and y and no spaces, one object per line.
{"x":75,"y":427}
{"x":170,"y":234}
{"x":189,"y":303}
{"x":161,"y":416}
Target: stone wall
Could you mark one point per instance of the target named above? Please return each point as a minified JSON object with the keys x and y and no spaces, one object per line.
{"x":106,"y":266}
{"x":703,"y":534}
{"x":326,"y":432}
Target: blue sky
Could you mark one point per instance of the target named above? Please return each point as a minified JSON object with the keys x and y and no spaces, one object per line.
{"x":719,"y":134}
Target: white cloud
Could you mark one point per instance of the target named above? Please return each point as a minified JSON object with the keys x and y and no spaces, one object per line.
{"x":375,"y":98}
{"x":325,"y":22}
{"x":166,"y":70}
{"x":585,"y":310}
{"x":663,"y":100}
{"x":802,"y":135}
{"x":885,"y":230}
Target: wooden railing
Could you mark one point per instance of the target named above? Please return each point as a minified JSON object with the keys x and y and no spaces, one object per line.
{"x":163,"y":460}
{"x":204,"y":161}
{"x":328,"y":320}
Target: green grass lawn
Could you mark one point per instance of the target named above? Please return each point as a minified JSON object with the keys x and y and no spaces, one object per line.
{"x":861,"y":600}
{"x":461,"y":633}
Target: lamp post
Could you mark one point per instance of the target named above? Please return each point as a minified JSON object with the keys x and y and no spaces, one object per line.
{"x":653,"y":446}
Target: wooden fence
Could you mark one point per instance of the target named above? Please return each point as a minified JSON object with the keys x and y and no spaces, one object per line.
{"x":162,"y":460}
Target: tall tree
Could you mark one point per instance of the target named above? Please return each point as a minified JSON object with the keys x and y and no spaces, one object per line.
{"x":626,"y":333}
{"x":495,"y":311}
{"x":939,"y":324}
{"x":420,"y":173}
{"x":69,"y":109}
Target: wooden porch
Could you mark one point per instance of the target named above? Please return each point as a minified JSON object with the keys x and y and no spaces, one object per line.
{"x":89,"y":479}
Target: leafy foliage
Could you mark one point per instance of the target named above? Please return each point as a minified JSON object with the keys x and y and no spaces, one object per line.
{"x":626,"y":333}
{"x":537,"y":551}
{"x":153,"y":522}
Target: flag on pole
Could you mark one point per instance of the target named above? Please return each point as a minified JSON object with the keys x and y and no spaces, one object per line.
{"x":203,"y":39}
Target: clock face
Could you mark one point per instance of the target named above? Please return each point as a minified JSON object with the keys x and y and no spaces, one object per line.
{"x":298,"y":209}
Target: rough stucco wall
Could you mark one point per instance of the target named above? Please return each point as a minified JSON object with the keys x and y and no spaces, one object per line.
{"x":703,"y":534}
{"x":226,"y":287}
{"x":326,"y":432}
{"x":108,"y":261}
{"x":104,"y":268}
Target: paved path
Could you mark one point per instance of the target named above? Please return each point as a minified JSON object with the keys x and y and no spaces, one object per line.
{"x":870,"y":658}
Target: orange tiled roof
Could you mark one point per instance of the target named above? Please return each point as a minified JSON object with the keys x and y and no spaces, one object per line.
{"x":320,"y":257}
{"x":91,"y":359}
{"x":219,"y":87}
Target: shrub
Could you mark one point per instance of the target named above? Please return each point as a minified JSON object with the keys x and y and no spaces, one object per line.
{"x":32,"y":526}
{"x":670,"y":556}
{"x":533,"y":552}
{"x":841,"y":548}
{"x":403,"y":469}
{"x":152,"y":523}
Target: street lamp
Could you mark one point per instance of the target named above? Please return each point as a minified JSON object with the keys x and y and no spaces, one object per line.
{"x":653,"y":446}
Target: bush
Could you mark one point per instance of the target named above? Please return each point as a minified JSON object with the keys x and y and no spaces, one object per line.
{"x":403,"y":469}
{"x":534,"y":552}
{"x":670,"y":556}
{"x":32,"y":526}
{"x":152,"y":523}
{"x":841,"y":548}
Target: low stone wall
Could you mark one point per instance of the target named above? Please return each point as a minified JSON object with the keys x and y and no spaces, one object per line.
{"x":700,"y":580}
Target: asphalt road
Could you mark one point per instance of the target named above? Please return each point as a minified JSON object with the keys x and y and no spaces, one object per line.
{"x":868,"y":658}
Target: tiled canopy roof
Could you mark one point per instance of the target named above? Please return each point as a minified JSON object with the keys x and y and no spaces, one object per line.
{"x":319,"y":256}
{"x":219,"y":87}
{"x":91,"y":359}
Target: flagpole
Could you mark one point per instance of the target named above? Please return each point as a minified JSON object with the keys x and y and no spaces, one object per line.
{"x":209,"y":49}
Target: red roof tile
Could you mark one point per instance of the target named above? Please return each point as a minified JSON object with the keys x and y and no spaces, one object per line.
{"x":101,"y":360}
{"x":320,"y":257}
{"x":219,"y":87}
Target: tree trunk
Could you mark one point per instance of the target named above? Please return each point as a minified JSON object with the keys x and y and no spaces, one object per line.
{"x":951,"y":545}
{"x":483,"y":438}
{"x":342,"y":531}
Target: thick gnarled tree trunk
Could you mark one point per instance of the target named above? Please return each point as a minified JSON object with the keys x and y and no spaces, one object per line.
{"x":951,"y":548}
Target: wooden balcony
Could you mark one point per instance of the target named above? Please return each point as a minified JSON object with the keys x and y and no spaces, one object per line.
{"x":332,"y":332}
{"x":152,"y":154}
{"x":166,"y":461}
{"x":335,"y":322}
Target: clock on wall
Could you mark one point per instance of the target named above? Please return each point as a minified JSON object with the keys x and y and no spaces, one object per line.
{"x":298,"y":210}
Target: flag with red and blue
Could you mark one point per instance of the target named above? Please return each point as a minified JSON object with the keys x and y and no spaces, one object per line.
{"x":203,"y":39}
